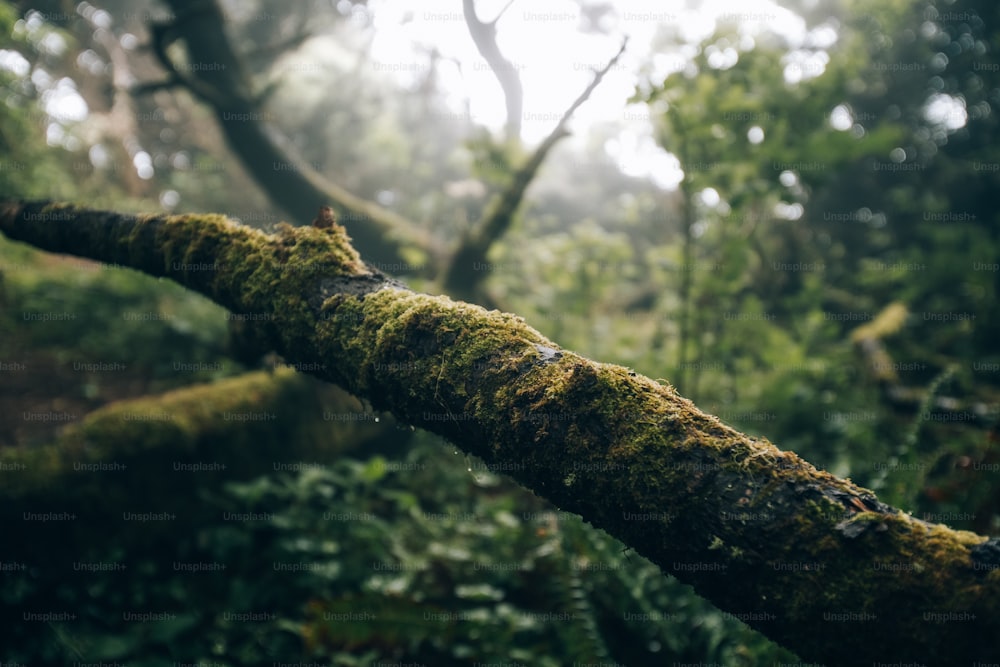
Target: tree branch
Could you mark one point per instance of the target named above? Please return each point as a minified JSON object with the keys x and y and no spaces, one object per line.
{"x":461,"y":276}
{"x":215,"y":75}
{"x":814,"y":562}
{"x":485,"y":36}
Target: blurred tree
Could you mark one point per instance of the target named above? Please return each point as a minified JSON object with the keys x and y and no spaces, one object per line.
{"x":819,"y":180}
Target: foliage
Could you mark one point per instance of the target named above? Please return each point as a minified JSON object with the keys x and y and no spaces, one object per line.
{"x":800,"y":242}
{"x":28,"y":168}
{"x":118,"y":316}
{"x":804,"y":227}
{"x":429,"y":558}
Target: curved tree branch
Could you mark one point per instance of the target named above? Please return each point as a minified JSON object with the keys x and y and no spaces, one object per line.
{"x":485,"y":36}
{"x":462,"y":276}
{"x":812,"y":561}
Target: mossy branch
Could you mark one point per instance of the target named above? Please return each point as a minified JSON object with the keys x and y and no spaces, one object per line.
{"x":813,"y":561}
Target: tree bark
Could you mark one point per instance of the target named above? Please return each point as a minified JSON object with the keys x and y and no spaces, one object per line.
{"x":812,"y":561}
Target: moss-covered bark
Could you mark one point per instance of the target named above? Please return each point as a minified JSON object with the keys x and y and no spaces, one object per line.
{"x":811,"y":560}
{"x":158,"y":440}
{"x":150,"y":457}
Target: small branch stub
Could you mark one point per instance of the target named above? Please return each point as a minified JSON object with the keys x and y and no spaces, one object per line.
{"x":325,"y":219}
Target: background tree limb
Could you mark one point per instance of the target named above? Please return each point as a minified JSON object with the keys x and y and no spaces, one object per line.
{"x":215,"y":74}
{"x":462,"y":277}
{"x":484,"y":34}
{"x":813,"y":561}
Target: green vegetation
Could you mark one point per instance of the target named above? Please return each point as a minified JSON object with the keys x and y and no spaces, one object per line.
{"x":824,"y":277}
{"x":363,"y":559}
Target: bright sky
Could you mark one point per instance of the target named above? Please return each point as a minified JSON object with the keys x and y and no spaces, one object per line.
{"x":556,"y":60}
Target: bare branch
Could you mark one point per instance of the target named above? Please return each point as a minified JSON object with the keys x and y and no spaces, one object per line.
{"x":461,"y":278}
{"x":502,"y":12}
{"x":485,"y":37}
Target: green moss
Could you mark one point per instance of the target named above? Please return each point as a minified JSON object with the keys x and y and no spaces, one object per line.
{"x":240,"y":421}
